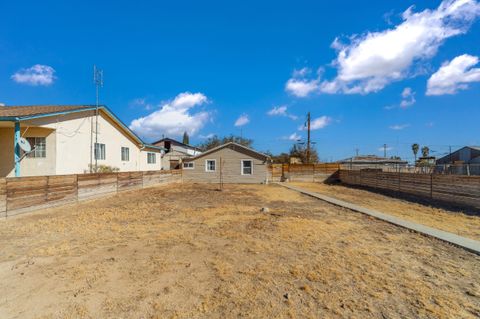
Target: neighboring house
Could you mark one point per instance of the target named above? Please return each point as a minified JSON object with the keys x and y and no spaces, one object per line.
{"x":229,"y":163}
{"x":372,"y":161}
{"x":175,"y":152}
{"x":63,"y":138}
{"x":465,"y":161}
{"x":465,"y":155}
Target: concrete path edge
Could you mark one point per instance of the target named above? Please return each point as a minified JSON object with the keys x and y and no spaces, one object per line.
{"x":462,"y":242}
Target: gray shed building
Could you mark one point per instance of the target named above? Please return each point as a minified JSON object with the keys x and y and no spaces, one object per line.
{"x":227,"y":163}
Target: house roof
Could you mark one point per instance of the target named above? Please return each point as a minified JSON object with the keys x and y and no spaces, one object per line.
{"x":168,"y":139}
{"x":447,"y":157}
{"x":234,"y":146}
{"x":20,"y":111}
{"x":369,"y":159}
{"x":26,"y":112}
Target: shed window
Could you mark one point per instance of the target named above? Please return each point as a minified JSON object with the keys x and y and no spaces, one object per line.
{"x":247,"y":167}
{"x":38,"y":145}
{"x":210,"y":165}
{"x":125,"y":154}
{"x":188,"y":165}
{"x":99,"y":151}
{"x":151,"y":158}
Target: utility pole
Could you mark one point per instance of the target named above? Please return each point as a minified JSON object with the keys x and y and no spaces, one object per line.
{"x":98,"y":81}
{"x":385,"y":150}
{"x":308,"y":138}
{"x":356,"y":151}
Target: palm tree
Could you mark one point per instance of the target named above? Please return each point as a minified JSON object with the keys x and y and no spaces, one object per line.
{"x":415,"y":148}
{"x":425,"y":151}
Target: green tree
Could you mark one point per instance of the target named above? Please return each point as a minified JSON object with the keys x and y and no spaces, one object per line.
{"x":215,"y":141}
{"x":425,"y":151}
{"x":415,"y":148}
{"x":186,"y":138}
{"x":300,"y":151}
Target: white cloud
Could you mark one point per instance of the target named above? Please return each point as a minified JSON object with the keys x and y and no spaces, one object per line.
{"x":293,"y":137}
{"x":399,"y":127}
{"x":174,"y":117}
{"x":206,"y":136}
{"x":408,"y":98}
{"x":300,"y":73}
{"x":281,"y":111}
{"x":36,"y":75}
{"x":318,"y":123}
{"x":278,"y":110}
{"x":141,"y":102}
{"x":454,"y":76}
{"x":242,"y":120}
{"x":302,"y":87}
{"x":371,"y":61}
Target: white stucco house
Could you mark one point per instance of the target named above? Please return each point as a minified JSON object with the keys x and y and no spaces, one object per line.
{"x":65,"y":141}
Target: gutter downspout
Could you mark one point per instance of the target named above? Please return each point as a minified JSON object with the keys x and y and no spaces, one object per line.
{"x":16,"y":139}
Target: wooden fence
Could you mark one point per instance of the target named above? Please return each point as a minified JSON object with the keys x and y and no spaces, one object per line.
{"x":303,"y":172}
{"x":453,"y":189}
{"x":22,"y":194}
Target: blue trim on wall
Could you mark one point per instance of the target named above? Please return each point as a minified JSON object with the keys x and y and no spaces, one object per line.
{"x":100,"y":107}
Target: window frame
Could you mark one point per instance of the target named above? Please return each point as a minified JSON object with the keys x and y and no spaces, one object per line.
{"x":207,"y":168}
{"x":192,"y":167}
{"x":126,"y":153}
{"x":104,"y":153}
{"x":149,"y":155}
{"x":242,"y":167}
{"x":35,"y":152}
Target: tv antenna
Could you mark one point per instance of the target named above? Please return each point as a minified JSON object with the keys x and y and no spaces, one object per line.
{"x":98,"y":81}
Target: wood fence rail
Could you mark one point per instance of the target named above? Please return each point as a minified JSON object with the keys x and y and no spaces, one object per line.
{"x":22,"y":194}
{"x":454,"y":189}
{"x":302,"y":172}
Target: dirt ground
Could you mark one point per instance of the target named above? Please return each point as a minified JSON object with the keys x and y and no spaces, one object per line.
{"x":189,"y":251}
{"x":464,"y":223}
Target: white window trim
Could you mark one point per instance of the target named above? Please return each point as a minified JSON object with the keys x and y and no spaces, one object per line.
{"x":121,"y":153}
{"x":206,"y":165}
{"x":97,"y":157}
{"x":193,"y":165}
{"x":154,"y":157}
{"x":241,"y":166}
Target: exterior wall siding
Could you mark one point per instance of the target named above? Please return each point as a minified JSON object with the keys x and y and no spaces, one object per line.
{"x":69,"y":146}
{"x":230,"y":168}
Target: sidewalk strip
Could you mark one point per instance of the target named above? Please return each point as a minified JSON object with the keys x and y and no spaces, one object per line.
{"x":466,"y":243}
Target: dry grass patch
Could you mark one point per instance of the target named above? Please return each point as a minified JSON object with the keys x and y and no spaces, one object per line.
{"x":461,"y":223}
{"x":190,"y":251}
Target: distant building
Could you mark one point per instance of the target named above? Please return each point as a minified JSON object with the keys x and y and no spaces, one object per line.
{"x":175,"y":152}
{"x":465,"y":155}
{"x":64,"y":140}
{"x":227,"y":163}
{"x":464,"y":161}
{"x":372,"y":162}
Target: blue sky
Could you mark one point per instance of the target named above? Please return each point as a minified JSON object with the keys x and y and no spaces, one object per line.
{"x":205,"y":66}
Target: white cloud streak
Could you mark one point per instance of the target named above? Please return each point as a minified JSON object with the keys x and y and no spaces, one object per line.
{"x":281,"y":111}
{"x":454,"y":76}
{"x":399,"y":127}
{"x":318,"y":123}
{"x":408,"y":98}
{"x":36,"y":75}
{"x":294,"y":137}
{"x":174,"y":117}
{"x":242,"y":120}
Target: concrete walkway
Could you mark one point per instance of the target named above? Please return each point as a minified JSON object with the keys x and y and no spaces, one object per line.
{"x":466,"y":243}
